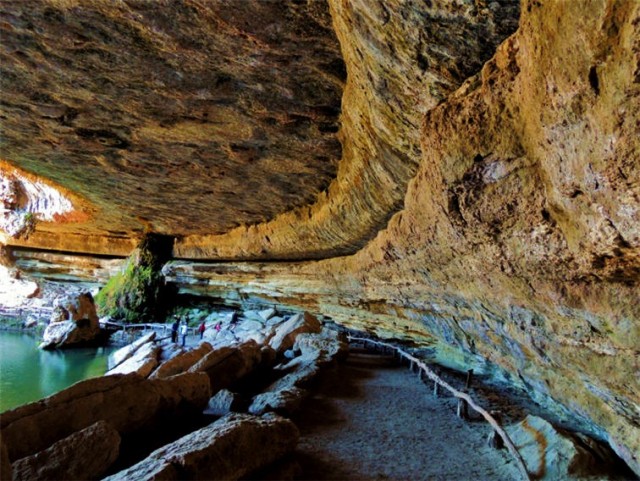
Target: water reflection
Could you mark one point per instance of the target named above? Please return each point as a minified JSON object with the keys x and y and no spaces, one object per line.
{"x":28,"y":374}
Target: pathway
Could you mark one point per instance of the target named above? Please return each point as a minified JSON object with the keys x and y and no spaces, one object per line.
{"x":373,"y":420}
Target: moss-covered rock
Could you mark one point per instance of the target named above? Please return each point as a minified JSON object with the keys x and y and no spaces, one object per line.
{"x":139,"y":292}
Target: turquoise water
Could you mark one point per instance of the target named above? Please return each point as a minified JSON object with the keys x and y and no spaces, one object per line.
{"x":28,"y":373}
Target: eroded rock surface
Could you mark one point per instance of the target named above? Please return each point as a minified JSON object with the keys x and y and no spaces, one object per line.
{"x":128,"y":403}
{"x":241,"y":96}
{"x":74,"y":322}
{"x":226,"y":365}
{"x":488,"y":198}
{"x":551,"y":454}
{"x":228,"y":449}
{"x":518,"y":239}
{"x":124,"y":353}
{"x":86,"y":454}
{"x":181,"y":362}
{"x":287,"y":332}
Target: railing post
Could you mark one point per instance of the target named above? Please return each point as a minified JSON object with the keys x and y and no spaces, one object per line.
{"x":463,"y":407}
{"x":436,"y":371}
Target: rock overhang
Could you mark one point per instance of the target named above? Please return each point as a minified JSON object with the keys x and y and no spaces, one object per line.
{"x":503,"y":221}
{"x":221,"y":123}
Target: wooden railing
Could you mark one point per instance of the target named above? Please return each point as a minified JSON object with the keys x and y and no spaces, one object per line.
{"x":423,"y":369}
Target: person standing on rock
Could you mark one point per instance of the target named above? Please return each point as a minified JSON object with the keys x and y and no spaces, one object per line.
{"x":201,"y":329}
{"x":183,"y":333}
{"x":174,"y":331}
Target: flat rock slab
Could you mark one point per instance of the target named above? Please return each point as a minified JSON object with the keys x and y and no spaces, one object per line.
{"x":127,"y":402}
{"x":86,"y":454}
{"x":143,"y":361}
{"x":182,"y":362}
{"x":226,"y":365}
{"x":287,"y":332}
{"x":124,"y":353}
{"x":228,"y":449}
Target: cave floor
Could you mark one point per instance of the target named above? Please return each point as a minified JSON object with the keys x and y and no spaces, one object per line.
{"x":371,"y":419}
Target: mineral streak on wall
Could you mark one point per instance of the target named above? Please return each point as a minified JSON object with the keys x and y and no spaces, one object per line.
{"x":486,"y":193}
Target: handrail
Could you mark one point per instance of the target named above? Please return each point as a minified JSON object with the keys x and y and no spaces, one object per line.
{"x":135,"y":326}
{"x":34,"y":311}
{"x":460,"y":395}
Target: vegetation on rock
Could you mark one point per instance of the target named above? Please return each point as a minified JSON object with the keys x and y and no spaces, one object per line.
{"x":139,"y":293}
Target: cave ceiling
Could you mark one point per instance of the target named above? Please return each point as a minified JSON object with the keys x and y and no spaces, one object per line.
{"x":230,"y":123}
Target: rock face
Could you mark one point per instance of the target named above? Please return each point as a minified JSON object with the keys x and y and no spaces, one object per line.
{"x":182,"y":362}
{"x":486,"y":201}
{"x":226,"y":365}
{"x":143,"y":362}
{"x":124,"y":353}
{"x":228,"y":449}
{"x":285,"y":395}
{"x":550,"y":454}
{"x":128,"y":403}
{"x":86,"y":454}
{"x":286,"y":333}
{"x":221,"y":89}
{"x":74,"y":322}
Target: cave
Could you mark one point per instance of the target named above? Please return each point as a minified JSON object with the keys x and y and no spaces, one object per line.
{"x":451,"y":187}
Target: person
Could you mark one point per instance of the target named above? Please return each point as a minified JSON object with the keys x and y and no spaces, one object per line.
{"x":183,"y":333}
{"x":201,"y":329}
{"x":174,"y":331}
{"x":217,"y":328}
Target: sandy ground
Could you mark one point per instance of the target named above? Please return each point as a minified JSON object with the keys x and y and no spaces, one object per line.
{"x":373,"y":420}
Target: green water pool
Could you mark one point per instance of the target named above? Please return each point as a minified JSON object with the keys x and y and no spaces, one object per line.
{"x":28,"y":373}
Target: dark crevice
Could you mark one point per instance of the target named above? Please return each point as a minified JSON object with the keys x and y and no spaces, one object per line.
{"x":593,"y":80}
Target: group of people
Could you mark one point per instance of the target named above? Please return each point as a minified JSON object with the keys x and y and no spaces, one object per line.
{"x":181,"y":327}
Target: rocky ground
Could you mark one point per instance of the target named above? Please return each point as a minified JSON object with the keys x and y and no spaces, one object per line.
{"x":364,"y":418}
{"x":373,"y":420}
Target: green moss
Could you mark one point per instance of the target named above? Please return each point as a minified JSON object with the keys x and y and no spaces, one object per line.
{"x":139,"y":293}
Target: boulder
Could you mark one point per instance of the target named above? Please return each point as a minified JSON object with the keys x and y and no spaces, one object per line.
{"x":251,"y":314}
{"x":118,"y":357}
{"x":143,"y":362}
{"x":73,"y":323}
{"x":230,"y":318}
{"x":552,"y":454}
{"x":169,"y":350}
{"x":223,"y":403}
{"x":250,"y":326}
{"x":30,"y":322}
{"x":287,"y":332}
{"x":284,"y":402}
{"x":129,"y":403}
{"x":86,"y":454}
{"x":274,"y":321}
{"x":285,"y":395}
{"x":230,"y":448}
{"x":267,"y":314}
{"x":225,"y":337}
{"x":325,"y":346}
{"x":226,"y":365}
{"x":257,"y":337}
{"x":182,"y":362}
{"x":300,"y":372}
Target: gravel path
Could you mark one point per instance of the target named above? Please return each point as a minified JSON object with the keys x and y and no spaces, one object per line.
{"x":373,"y":420}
